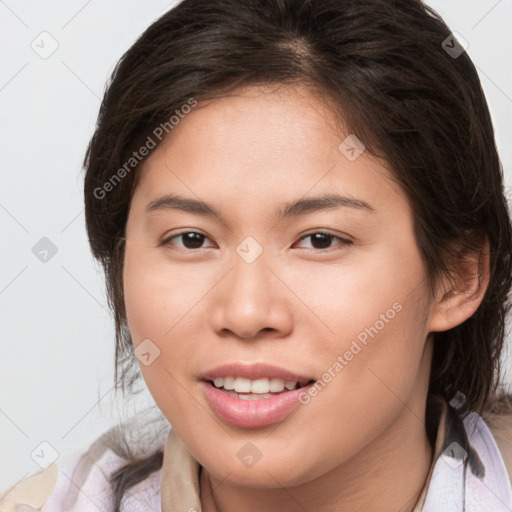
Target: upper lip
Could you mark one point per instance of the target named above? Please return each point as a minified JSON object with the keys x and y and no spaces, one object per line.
{"x":255,"y":371}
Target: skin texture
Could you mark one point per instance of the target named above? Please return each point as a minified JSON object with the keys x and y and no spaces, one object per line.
{"x":361,"y":443}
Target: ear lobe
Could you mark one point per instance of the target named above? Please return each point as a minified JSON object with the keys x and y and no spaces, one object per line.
{"x":458,"y":298}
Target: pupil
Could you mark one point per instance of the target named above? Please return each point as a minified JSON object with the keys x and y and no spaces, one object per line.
{"x":192,"y":240}
{"x":321,"y":239}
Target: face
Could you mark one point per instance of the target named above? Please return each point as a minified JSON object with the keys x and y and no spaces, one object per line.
{"x":336,"y":295}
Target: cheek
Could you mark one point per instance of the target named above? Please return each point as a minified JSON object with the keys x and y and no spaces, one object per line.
{"x":160,"y":301}
{"x":371,"y":368}
{"x":158,"y":295}
{"x":373,"y":329}
{"x":367,"y":297}
{"x":153,"y":308}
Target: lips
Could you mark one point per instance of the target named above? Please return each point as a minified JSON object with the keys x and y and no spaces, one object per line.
{"x":253,"y":413}
{"x":253,"y":410}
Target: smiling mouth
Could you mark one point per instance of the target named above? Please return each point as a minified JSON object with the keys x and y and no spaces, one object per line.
{"x":254,"y":403}
{"x":245,"y":389}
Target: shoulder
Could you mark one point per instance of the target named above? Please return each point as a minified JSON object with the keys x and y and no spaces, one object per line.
{"x":499,"y":421}
{"x":64,"y":485}
{"x":78,"y":483}
{"x":81,"y":482}
{"x":33,"y":491}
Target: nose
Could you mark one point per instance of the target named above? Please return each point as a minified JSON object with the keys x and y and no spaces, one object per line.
{"x":251,"y":300}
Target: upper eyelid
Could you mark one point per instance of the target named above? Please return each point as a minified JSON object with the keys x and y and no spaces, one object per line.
{"x":324,"y":233}
{"x":343,"y":239}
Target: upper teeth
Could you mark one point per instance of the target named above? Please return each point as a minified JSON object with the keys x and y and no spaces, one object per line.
{"x":243,"y":385}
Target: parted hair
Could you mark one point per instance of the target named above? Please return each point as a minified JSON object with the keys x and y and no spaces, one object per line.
{"x":397,"y":78}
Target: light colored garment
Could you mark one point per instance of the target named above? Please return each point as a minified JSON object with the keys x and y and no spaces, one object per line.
{"x":81,"y":484}
{"x":480,"y":485}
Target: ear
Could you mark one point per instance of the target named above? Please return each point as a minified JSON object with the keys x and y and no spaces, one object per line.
{"x":457,"y":299}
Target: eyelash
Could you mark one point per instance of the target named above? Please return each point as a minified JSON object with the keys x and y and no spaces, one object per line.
{"x":166,"y":242}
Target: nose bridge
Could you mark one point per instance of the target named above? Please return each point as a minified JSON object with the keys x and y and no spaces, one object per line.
{"x":248,"y":300}
{"x":249,"y":283}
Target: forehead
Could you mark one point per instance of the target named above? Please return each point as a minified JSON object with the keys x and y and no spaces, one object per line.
{"x":258,"y":145}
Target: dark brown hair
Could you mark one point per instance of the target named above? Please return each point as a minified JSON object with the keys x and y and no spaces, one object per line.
{"x":386,"y":68}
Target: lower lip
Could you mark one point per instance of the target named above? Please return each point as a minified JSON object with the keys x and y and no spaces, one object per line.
{"x":253,"y":413}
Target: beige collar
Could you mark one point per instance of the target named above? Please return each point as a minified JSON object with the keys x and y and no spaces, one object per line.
{"x":180,"y":488}
{"x":180,"y":477}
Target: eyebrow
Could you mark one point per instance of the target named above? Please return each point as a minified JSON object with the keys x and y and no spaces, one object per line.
{"x":291,"y":209}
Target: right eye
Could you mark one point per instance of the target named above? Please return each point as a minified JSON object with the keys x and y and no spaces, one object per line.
{"x":190,"y":239}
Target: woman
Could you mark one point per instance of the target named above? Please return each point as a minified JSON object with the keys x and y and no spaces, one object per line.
{"x":299,"y":209}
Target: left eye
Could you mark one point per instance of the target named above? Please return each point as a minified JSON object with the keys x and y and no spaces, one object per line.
{"x":193,"y":240}
{"x":321,"y":240}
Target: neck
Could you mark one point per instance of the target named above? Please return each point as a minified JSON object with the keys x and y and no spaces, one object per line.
{"x":387,"y":475}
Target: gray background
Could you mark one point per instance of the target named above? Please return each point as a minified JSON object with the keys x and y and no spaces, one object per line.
{"x":57,"y":334}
